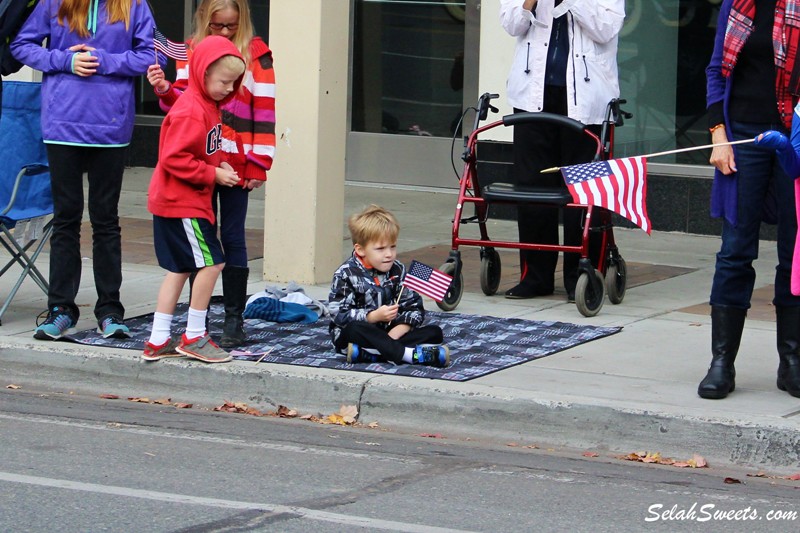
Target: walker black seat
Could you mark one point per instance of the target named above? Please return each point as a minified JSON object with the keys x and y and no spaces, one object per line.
{"x":505,"y":192}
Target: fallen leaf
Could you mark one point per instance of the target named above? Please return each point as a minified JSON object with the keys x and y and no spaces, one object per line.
{"x":372,"y":425}
{"x":794,"y":477}
{"x":163,"y":401}
{"x":285,"y":412}
{"x":681,"y":464}
{"x":731,"y":480}
{"x":431,"y":435}
{"x":306,"y":417}
{"x":591,"y":454}
{"x":531,"y":446}
{"x":760,"y":474}
{"x":14,"y":387}
{"x":349,"y":413}
{"x":140,"y":400}
{"x":150,"y":454}
{"x":183,"y":405}
{"x":697,"y":462}
{"x":512,"y":444}
{"x":109,"y":396}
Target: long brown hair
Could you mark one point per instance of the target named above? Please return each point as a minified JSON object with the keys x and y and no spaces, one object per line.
{"x":244,"y":33}
{"x":76,"y":13}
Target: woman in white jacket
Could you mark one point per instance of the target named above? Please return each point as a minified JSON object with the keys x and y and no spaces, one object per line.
{"x":565,"y":62}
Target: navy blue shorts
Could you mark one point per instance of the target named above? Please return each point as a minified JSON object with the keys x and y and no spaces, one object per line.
{"x":186,"y":244}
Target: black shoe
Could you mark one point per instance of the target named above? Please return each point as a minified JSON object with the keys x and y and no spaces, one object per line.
{"x":571,"y":296}
{"x":524,"y":291}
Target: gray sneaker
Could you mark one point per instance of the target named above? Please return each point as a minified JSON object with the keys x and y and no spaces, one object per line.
{"x":203,"y":349}
{"x":155,"y":353}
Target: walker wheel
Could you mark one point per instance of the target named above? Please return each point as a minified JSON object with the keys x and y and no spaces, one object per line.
{"x":453,"y":296}
{"x":590,"y":293}
{"x":490,"y":271}
{"x":616,"y":280}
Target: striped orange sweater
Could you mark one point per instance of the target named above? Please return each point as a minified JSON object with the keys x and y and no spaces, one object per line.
{"x":248,"y":121}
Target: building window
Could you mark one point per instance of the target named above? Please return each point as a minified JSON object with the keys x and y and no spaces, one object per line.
{"x":664,"y":48}
{"x":408,"y":66}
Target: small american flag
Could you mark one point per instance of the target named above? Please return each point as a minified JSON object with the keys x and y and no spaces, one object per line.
{"x":176,"y":51}
{"x":619,"y":185}
{"x":428,"y":281}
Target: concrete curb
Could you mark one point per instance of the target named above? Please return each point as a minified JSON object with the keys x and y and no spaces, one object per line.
{"x":455,"y":410}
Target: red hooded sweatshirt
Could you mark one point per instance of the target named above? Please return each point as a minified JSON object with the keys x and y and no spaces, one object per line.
{"x":189,"y":145}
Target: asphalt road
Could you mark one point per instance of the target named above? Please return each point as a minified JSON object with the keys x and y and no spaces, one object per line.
{"x":85,"y":464}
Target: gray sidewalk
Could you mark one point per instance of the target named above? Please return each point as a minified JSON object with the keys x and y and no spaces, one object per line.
{"x":633,"y":391}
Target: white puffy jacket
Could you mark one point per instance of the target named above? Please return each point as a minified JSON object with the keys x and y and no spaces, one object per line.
{"x":592,"y":80}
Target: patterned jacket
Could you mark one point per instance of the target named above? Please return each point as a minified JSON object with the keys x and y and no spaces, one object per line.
{"x":356,"y":291}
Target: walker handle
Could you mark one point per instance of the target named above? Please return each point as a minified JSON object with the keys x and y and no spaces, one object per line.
{"x":552,"y":118}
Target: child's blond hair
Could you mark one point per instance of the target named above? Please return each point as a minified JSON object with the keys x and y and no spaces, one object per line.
{"x":230,"y":62}
{"x":373,"y":224}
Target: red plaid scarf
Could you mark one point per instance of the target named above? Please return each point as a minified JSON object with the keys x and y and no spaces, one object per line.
{"x":785,"y":36}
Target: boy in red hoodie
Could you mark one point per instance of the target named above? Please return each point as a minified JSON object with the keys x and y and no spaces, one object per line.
{"x":190,"y":164}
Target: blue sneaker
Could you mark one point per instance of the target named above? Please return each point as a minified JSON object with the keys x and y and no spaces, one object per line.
{"x":57,"y":324}
{"x":112,"y":326}
{"x":356,"y":354}
{"x":431,"y":355}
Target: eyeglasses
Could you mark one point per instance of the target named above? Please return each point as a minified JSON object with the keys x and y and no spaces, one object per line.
{"x":218,"y":26}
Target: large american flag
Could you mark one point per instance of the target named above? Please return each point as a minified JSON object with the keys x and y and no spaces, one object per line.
{"x":428,"y":281}
{"x":619,"y":185}
{"x":176,"y":51}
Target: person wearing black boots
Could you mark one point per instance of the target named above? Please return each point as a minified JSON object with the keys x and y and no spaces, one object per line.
{"x":234,"y":298}
{"x":751,"y":88}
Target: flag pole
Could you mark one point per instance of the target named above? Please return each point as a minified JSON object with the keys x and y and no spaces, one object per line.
{"x":677,"y":151}
{"x":399,"y":295}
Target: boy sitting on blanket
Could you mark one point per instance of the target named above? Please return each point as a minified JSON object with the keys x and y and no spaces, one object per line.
{"x":375,"y":318}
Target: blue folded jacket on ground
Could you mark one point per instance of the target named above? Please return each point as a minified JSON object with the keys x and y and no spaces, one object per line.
{"x":277,"y":311}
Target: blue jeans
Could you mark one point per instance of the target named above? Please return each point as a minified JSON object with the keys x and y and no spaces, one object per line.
{"x":230,"y":205}
{"x":104,"y":167}
{"x":758,"y":170}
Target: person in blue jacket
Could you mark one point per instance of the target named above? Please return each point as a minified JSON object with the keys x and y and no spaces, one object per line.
{"x":94,"y":52}
{"x":753,"y":79}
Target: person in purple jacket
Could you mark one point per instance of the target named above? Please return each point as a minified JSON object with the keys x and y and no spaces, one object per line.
{"x":95,"y":50}
{"x":753,"y":80}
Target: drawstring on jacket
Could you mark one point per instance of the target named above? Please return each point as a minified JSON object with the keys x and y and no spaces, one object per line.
{"x":91,"y":23}
{"x":528,"y":59}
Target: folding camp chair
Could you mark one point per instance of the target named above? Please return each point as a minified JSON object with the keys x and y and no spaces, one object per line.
{"x":26,"y":203}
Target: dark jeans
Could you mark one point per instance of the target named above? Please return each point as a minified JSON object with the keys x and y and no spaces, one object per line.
{"x":105,"y":167}
{"x":757,"y":169}
{"x":230,"y":205}
{"x":538,"y":146}
{"x":367,"y":335}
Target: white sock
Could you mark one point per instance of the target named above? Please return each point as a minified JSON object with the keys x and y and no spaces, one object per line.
{"x":408,"y":355}
{"x":196,"y":323}
{"x":160,"y":332}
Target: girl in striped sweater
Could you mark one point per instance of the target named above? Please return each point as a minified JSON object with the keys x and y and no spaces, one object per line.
{"x":248,"y":123}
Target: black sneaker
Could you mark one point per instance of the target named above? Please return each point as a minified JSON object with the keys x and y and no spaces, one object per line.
{"x":357,"y":354}
{"x":57,"y":324}
{"x":431,"y":355}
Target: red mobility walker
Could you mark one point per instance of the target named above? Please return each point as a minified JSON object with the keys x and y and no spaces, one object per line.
{"x":594,"y":281}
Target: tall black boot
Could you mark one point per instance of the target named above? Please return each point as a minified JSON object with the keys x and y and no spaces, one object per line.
{"x":788,"y":326}
{"x":726,"y":334}
{"x":234,"y":296}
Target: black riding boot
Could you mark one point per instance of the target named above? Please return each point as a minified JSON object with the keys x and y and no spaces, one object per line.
{"x":788,"y":326}
{"x":234,"y":295}
{"x":726,"y":333}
